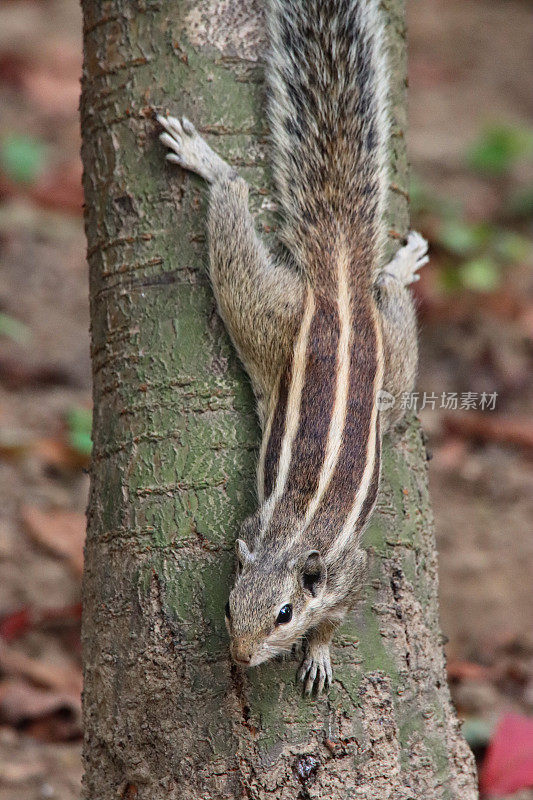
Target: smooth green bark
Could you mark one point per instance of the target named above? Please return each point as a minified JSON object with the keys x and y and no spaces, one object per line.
{"x":166,"y":715}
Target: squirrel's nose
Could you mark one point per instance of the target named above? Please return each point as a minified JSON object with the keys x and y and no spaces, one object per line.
{"x":241,"y":654}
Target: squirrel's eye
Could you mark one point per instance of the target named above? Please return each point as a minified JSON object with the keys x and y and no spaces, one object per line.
{"x":227,"y":611}
{"x":285,"y":615}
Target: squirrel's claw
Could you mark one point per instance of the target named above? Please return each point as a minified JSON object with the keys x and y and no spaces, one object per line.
{"x":315,"y":671}
{"x":189,"y":150}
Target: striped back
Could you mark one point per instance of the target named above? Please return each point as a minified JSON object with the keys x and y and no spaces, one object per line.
{"x":320,"y":457}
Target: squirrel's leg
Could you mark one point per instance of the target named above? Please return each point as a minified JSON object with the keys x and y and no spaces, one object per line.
{"x":259,"y":300}
{"x":399,"y":328}
{"x":315,"y":669}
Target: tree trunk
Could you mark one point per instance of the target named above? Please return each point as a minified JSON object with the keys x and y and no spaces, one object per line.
{"x":175,"y":445}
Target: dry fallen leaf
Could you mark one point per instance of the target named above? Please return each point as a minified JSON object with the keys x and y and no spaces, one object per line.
{"x":466,"y":670}
{"x":26,"y":770}
{"x":52,"y":93}
{"x":46,"y":715}
{"x":59,"y":188}
{"x":61,"y":532}
{"x":18,"y":373}
{"x":62,"y":677}
{"x":57,"y":453}
{"x":499,"y":428}
{"x":450,"y":454}
{"x":20,"y":702}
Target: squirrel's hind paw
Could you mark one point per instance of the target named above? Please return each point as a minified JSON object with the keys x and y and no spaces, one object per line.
{"x":407,"y":261}
{"x":315,"y":671}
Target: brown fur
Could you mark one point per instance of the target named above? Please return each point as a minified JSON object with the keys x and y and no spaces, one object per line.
{"x":318,"y":342}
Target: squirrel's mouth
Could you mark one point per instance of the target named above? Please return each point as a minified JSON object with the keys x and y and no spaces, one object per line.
{"x":241,"y":654}
{"x":262,"y":653}
{"x":252,"y":660}
{"x":246,"y":662}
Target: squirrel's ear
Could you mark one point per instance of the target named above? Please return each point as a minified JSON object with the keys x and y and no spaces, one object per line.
{"x":243,"y":551}
{"x":313,"y":572}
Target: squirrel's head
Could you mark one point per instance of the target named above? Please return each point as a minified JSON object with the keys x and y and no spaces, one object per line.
{"x":275,"y":600}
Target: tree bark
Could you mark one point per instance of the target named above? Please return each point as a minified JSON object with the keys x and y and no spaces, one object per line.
{"x":175,"y":445}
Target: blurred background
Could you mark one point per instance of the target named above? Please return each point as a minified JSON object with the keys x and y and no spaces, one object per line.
{"x":471,"y":147}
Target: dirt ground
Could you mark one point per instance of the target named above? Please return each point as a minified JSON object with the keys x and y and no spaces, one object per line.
{"x":470,"y":67}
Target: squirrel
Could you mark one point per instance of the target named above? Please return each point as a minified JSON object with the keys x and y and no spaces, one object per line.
{"x":324,"y":331}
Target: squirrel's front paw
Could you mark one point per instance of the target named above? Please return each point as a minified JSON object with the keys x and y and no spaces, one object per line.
{"x":189,"y":149}
{"x":315,"y":670}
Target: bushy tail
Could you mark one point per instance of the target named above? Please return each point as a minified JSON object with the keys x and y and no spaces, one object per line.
{"x":328,"y":116}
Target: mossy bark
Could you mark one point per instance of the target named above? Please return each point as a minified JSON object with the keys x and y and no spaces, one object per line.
{"x":175,"y":444}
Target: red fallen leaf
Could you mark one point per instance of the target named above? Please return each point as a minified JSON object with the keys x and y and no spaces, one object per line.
{"x":61,"y":189}
{"x":57,"y":453}
{"x":55,"y":616}
{"x":466,"y":670}
{"x":54,"y":91}
{"x":16,"y":624}
{"x":19,"y":622}
{"x":12,"y":66}
{"x":508,"y":765}
{"x":434,"y":306}
{"x":62,"y":532}
{"x":58,"y":727}
{"x":526,"y":318}
{"x":427,"y":73}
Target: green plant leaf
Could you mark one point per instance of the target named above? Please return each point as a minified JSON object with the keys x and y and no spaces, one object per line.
{"x":79,"y":421}
{"x":511,"y":246}
{"x":449,"y":280}
{"x":463,"y":238}
{"x":14,"y":329}
{"x":520,"y":203}
{"x":480,"y":274}
{"x":498,"y":148}
{"x":423,"y":200}
{"x":477,"y":731}
{"x":22,"y":158}
{"x":81,"y":442}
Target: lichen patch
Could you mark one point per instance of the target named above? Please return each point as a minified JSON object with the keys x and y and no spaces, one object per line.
{"x":235,"y":27}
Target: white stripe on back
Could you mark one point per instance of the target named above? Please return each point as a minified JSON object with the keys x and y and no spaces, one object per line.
{"x":292,"y":416}
{"x":274,"y":399}
{"x":342,"y":540}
